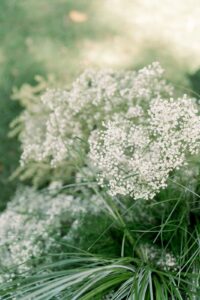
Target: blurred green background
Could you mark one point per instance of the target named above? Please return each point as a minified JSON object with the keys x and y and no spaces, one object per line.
{"x":63,"y":37}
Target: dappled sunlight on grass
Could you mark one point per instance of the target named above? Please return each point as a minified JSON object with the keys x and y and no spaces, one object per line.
{"x":174,"y":22}
{"x":113,"y":34}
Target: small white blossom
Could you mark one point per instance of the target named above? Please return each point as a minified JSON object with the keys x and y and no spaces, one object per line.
{"x":33,"y":222}
{"x":136,"y":158}
{"x":30,"y":224}
{"x":96,"y":96}
{"x":163,"y":259}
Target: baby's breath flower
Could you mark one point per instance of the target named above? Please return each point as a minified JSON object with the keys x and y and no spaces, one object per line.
{"x":33,"y":223}
{"x":138,"y":131}
{"x":162,"y":259}
{"x":95,"y":97}
{"x":136,"y":158}
{"x":30,"y":224}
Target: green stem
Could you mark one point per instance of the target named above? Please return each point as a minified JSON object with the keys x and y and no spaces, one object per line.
{"x":116,"y":215}
{"x":125,"y":229}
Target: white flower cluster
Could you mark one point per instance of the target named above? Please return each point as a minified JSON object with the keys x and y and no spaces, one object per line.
{"x":65,"y":115}
{"x":31,"y":225}
{"x":163,"y":259}
{"x":137,"y":130}
{"x":33,"y":134}
{"x":135,"y":157}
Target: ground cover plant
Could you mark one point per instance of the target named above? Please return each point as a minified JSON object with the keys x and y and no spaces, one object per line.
{"x":114,"y":211}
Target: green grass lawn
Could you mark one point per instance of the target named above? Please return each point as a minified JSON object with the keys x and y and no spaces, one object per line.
{"x":42,"y":37}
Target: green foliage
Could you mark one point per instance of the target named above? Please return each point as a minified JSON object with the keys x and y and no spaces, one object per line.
{"x":123,"y":253}
{"x":92,"y":277}
{"x":127,"y":250}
